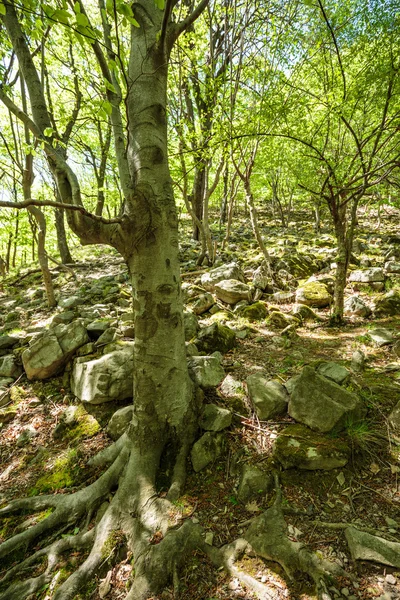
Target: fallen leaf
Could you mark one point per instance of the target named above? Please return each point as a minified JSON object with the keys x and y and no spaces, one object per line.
{"x":374,"y":468}
{"x":252,"y":507}
{"x":341,"y":478}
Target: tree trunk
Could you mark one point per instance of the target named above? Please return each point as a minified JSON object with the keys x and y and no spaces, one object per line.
{"x":62,"y":242}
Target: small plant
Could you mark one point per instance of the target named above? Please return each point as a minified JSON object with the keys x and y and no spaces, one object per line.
{"x":362,"y":436}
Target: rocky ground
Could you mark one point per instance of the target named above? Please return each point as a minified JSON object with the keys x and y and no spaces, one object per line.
{"x":284,"y":392}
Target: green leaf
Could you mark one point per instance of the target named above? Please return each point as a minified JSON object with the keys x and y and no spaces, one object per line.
{"x":107,"y":107}
{"x":48,"y":132}
{"x":2,"y":9}
{"x":109,"y":85}
{"x":77,"y":8}
{"x":160,"y":4}
{"x":82,"y":20}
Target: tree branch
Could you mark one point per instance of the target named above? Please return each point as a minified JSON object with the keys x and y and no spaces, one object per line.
{"x":80,"y":209}
{"x":190,"y":19}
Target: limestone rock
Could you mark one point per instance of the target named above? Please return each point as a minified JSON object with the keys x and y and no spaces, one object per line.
{"x":367,"y":275}
{"x":304,"y":313}
{"x":216,"y":337}
{"x":392,"y":267}
{"x":63,"y":317}
{"x":254,"y":312}
{"x":333,"y":371}
{"x":298,"y":264}
{"x":206,"y":371}
{"x":103,"y":379}
{"x":201,"y":303}
{"x":281,"y":320}
{"x":320,"y":403}
{"x":96,"y":328}
{"x":381,"y":336}
{"x":71,"y":302}
{"x":43,"y":358}
{"x":364,"y":546}
{"x":71,"y":337}
{"x":206,"y":450}
{"x":282,"y":297}
{"x":119,"y":422}
{"x":191,"y":325}
{"x":7,"y":341}
{"x":314,"y":294}
{"x":388,"y":304}
{"x":253,"y":483}
{"x":269,"y":398}
{"x":232,"y":388}
{"x":215,"y":418}
{"x":229,"y":271}
{"x":354,"y":306}
{"x":261,"y":278}
{"x":232,"y":291}
{"x":297,"y":446}
{"x":358,"y":360}
{"x":9,"y":367}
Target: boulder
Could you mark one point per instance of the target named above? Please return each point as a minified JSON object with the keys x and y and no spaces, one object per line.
{"x":201,"y":303}
{"x":392,"y":267}
{"x":214,"y":338}
{"x":358,"y":360}
{"x":43,"y":358}
{"x":8,"y":341}
{"x":364,"y":546}
{"x":320,"y":403}
{"x":206,"y":450}
{"x":282,"y":297}
{"x":281,"y":320}
{"x":253,"y":483}
{"x":304,"y":313}
{"x":206,"y":371}
{"x":70,"y":302}
{"x":367,"y":275}
{"x":298,"y":264}
{"x":232,"y":291}
{"x":261,"y":278}
{"x":215,"y":418}
{"x":191,"y":325}
{"x":333,"y":371}
{"x":104,"y":379}
{"x":269,"y":398}
{"x":96,"y":328}
{"x":63,"y":317}
{"x":71,"y":337}
{"x":313,"y":293}
{"x":8,"y":367}
{"x":119,"y":422}
{"x":297,"y":446}
{"x":381,"y":336}
{"x":254,"y":312}
{"x":388,"y":304}
{"x":229,"y":271}
{"x":354,"y":306}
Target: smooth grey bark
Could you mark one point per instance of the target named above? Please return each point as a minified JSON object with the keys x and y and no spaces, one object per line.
{"x":62,"y":242}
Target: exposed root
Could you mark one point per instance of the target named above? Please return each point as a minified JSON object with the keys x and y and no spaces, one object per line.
{"x":108,"y":455}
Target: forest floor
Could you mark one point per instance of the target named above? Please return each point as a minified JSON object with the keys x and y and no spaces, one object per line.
{"x":365,"y":491}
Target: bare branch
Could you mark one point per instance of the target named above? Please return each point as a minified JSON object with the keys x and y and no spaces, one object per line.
{"x":80,"y":209}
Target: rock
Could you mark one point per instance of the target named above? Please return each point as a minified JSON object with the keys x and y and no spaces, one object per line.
{"x":354,"y":306}
{"x":64,"y":317}
{"x":333,"y":371}
{"x":216,"y":337}
{"x":191,"y":349}
{"x":281,"y":320}
{"x":215,"y":418}
{"x":388,"y":304}
{"x":191,"y":325}
{"x":103,"y":379}
{"x":394,"y":417}
{"x":8,"y":341}
{"x":367,"y":275}
{"x":313,"y":293}
{"x":71,"y":337}
{"x":110,"y":335}
{"x":206,"y":450}
{"x":253,"y":483}
{"x":320,"y":403}
{"x":381,"y":336}
{"x":282,"y":297}
{"x":297,"y":446}
{"x":43,"y":358}
{"x":96,"y":328}
{"x":392,"y":267}
{"x":364,"y":546}
{"x":9,"y":367}
{"x":68,"y":419}
{"x":70,"y":302}
{"x":206,"y":371}
{"x":229,"y":271}
{"x":201,"y":303}
{"x":232,"y":388}
{"x":232,"y":291}
{"x":304,"y":313}
{"x":358,"y":361}
{"x":298,"y":264}
{"x":119,"y":422}
{"x":262,"y":278}
{"x":26,"y":436}
{"x":269,"y":398}
{"x":254,"y":312}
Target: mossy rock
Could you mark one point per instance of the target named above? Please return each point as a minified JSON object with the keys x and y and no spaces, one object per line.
{"x":388,"y":304}
{"x":281,"y":320}
{"x":314,"y":294}
{"x":254,"y":312}
{"x":298,"y":446}
{"x":216,"y":338}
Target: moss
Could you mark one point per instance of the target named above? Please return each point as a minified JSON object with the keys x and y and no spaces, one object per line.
{"x":63,"y":474}
{"x":18,"y":394}
{"x":85,"y":425}
{"x":114,"y":541}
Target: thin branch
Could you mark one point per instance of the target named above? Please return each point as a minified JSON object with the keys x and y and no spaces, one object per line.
{"x":190,"y":19}
{"x":336,"y":46}
{"x":80,"y":209}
